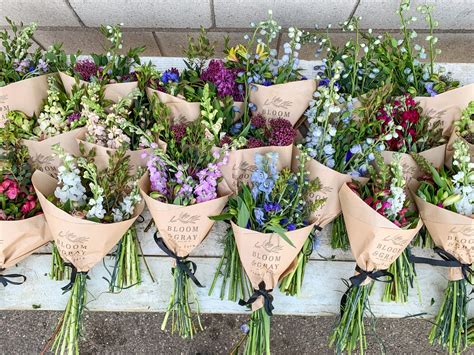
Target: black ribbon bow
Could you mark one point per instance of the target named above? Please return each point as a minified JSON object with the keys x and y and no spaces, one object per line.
{"x":74,"y":273}
{"x":188,"y":266}
{"x":316,"y":229}
{"x":267,"y":298}
{"x":376,"y":275}
{"x":449,"y":260}
{"x":7,"y":279}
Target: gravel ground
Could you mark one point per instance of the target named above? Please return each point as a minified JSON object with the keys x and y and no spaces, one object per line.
{"x":25,"y":332}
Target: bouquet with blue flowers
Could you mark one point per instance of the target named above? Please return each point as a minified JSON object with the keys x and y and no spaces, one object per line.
{"x":270,"y":223}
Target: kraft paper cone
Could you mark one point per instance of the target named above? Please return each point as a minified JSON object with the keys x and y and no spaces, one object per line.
{"x":81,"y":242}
{"x":289,"y":100}
{"x":375,"y":241}
{"x":267,"y":256}
{"x":26,"y":96}
{"x":411,"y":169}
{"x":41,"y":153}
{"x":183,"y":228}
{"x":241,"y":164}
{"x":102,"y":153}
{"x":450,"y":150}
{"x":448,"y":106}
{"x":19,"y":239}
{"x":450,"y":231}
{"x":182,"y":110}
{"x":113,"y":92}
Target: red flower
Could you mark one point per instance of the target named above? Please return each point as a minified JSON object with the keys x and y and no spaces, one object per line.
{"x":27,"y":207}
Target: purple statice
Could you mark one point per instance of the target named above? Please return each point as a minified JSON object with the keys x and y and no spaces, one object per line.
{"x":170,"y":76}
{"x":281,"y":132}
{"x":73,"y":117}
{"x":223,"y":78}
{"x":86,"y":68}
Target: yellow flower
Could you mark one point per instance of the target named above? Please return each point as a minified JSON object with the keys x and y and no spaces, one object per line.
{"x":262,"y":54}
{"x":236,"y":52}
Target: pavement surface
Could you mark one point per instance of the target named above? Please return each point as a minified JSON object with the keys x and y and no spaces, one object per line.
{"x":26,"y":332}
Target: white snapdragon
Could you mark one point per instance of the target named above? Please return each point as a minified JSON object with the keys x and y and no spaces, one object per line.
{"x":70,"y":188}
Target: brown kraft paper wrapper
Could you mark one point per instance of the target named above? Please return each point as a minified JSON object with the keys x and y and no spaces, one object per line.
{"x":113,"y":92}
{"x":289,"y":100}
{"x":241,"y":164}
{"x":411,"y":169}
{"x":375,"y":241}
{"x":447,"y":107}
{"x":450,"y":150}
{"x":102,"y":153}
{"x":19,"y":239}
{"x":267,"y":256}
{"x":26,"y":96}
{"x":183,"y":228}
{"x":41,"y":153}
{"x":331,"y":182}
{"x":81,"y":242}
{"x":450,"y":231}
{"x":182,"y":110}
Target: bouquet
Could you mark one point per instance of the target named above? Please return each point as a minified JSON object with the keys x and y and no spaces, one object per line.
{"x":22,"y":71}
{"x":445,"y":199}
{"x":87,"y":209}
{"x":266,"y":80}
{"x":370,"y":61}
{"x":270,"y":222}
{"x":463,"y":129}
{"x":181,"y":193}
{"x":380,"y":226}
{"x":183,"y":92}
{"x":114,"y":70}
{"x":23,"y":228}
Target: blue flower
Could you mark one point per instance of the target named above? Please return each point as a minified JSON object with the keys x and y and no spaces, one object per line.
{"x":259,"y":215}
{"x":324,"y":82}
{"x":291,"y":227}
{"x":267,"y":82}
{"x":429,"y":89}
{"x":245,"y":328}
{"x":271,"y":207}
{"x":283,"y":221}
{"x":267,"y":186}
{"x":258,"y":177}
{"x":170,"y":76}
{"x":236,"y":128}
{"x":356,"y":149}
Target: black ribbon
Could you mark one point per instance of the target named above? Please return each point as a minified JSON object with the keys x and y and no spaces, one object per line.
{"x":188,"y":266}
{"x":376,"y":275}
{"x":267,"y":298}
{"x":312,"y":236}
{"x":449,"y":260}
{"x":140,"y":219}
{"x":7,"y":279}
{"x":74,"y":273}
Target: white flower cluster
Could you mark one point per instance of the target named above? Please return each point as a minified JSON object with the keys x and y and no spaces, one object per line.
{"x":52,"y":119}
{"x":97,"y":209}
{"x":127,"y":206}
{"x":463,"y":180}
{"x":397,"y":188}
{"x":70,"y":188}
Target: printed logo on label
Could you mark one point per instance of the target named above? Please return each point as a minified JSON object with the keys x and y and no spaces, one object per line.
{"x":388,"y":249}
{"x":460,"y":243}
{"x":242,"y":173}
{"x":72,"y":246}
{"x":182,"y":228}
{"x":45,"y":164}
{"x":264,"y":258}
{"x":276,"y":107}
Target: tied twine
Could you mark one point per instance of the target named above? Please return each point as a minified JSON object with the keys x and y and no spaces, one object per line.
{"x":187,"y":266}
{"x":267,"y":298}
{"x":74,"y":273}
{"x":449,"y":260}
{"x":8,"y":279}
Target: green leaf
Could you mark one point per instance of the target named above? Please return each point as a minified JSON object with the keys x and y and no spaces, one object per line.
{"x":281,"y":232}
{"x":222,"y":217}
{"x":243,"y":215}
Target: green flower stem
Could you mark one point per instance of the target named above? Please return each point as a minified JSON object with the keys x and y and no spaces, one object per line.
{"x":234,"y":280}
{"x":349,"y":333}
{"x":66,"y":341}
{"x":126,"y":271}
{"x":451,"y":324}
{"x":182,"y":318}
{"x":423,"y":239}
{"x":258,"y":337}
{"x":59,"y":271}
{"x":339,"y":237}
{"x":404,"y":278}
{"x":292,"y":283}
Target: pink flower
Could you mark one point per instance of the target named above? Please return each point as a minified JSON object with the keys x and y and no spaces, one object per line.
{"x":5,"y":185}
{"x":3,"y":216}
{"x":12,"y":192}
{"x":27,"y":207}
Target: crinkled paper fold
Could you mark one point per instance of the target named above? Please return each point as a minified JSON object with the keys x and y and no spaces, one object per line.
{"x":79,"y":241}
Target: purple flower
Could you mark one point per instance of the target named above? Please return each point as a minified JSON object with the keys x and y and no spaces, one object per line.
{"x":73,"y":117}
{"x":170,"y":75}
{"x":291,"y":227}
{"x":86,"y":69}
{"x":324,"y":82}
{"x":254,"y":143}
{"x":223,"y":78}
{"x":281,"y":133}
{"x":430,"y":90}
{"x":42,"y":66}
{"x":267,"y":82}
{"x":259,"y":215}
{"x":283,"y":221}
{"x":236,"y":128}
{"x":271,"y":207}
{"x":178,"y":131}
{"x":21,"y":66}
{"x":258,"y":121}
